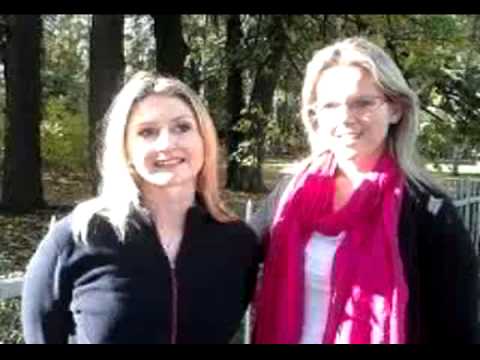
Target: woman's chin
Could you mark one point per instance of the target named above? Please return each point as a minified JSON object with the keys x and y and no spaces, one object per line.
{"x":346,"y":154}
{"x":160,"y":179}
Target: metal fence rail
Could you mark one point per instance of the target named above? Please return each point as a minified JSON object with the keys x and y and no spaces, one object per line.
{"x":10,"y":288}
{"x":466,"y":197}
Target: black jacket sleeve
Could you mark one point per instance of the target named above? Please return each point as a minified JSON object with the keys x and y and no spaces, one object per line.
{"x":45,"y":312}
{"x":454,"y":278}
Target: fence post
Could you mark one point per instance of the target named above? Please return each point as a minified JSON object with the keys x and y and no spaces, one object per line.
{"x":476,"y":220}
{"x":465,"y":193}
{"x":468,"y":192}
{"x":460,"y":196}
{"x":246,"y":329}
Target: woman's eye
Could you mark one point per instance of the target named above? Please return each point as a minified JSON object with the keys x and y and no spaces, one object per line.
{"x":147,"y":132}
{"x":330,"y":105}
{"x":182,"y":127}
{"x":362,"y":103}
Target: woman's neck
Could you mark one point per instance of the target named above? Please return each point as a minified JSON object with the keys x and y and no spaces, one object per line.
{"x":356,"y":170}
{"x":168,"y":207}
{"x":349,"y":175}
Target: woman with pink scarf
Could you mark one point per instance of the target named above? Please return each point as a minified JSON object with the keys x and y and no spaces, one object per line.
{"x":361,"y":246}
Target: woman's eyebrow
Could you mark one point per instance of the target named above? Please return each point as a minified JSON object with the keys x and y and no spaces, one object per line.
{"x":156,"y":121}
{"x":181,"y":117}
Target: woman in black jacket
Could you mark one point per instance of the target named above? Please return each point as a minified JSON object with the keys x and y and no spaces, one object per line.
{"x":360,"y":244}
{"x":155,"y":257}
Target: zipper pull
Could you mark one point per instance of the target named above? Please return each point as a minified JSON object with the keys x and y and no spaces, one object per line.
{"x":171,"y":262}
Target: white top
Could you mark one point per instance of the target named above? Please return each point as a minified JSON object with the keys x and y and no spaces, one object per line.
{"x":319,"y":255}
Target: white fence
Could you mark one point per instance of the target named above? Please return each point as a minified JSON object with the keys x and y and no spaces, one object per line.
{"x":10,"y":288}
{"x":466,"y":195}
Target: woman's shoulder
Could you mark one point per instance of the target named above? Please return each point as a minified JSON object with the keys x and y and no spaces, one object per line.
{"x":235,"y":232}
{"x":62,"y":231}
{"x":431,"y":197}
{"x":59,"y":236}
{"x":237,"y":229}
{"x":437,"y":209}
{"x":241,"y":239}
{"x":91,"y":221}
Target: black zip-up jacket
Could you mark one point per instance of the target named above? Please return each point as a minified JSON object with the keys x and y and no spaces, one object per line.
{"x":441,"y":269}
{"x":114,"y":292}
{"x":439,"y":261}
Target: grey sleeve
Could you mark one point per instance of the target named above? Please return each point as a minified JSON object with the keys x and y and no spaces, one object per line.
{"x":263,"y":216}
{"x":44,"y":314}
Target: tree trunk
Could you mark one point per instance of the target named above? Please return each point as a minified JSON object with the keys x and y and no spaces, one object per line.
{"x":195,"y":76}
{"x":22,"y":182}
{"x":3,"y":36}
{"x":106,"y":74}
{"x":267,"y":75}
{"x":235,"y":102}
{"x":171,"y":49}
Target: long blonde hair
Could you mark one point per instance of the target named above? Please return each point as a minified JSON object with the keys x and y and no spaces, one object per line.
{"x":402,"y":136}
{"x":114,"y":204}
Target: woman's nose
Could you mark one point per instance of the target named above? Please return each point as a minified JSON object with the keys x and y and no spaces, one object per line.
{"x":344,"y":115}
{"x":163,"y":140}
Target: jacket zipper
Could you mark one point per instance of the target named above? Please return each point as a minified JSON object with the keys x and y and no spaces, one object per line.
{"x":173,"y":338}
{"x":174,"y":290}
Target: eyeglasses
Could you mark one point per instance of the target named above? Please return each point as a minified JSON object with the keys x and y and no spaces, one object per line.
{"x":359,"y":106}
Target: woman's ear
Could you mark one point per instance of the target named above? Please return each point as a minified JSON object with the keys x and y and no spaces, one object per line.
{"x":395,"y":113}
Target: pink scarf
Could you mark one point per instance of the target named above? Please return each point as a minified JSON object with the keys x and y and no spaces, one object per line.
{"x":368,"y":290}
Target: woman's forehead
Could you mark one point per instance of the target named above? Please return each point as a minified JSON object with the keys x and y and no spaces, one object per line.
{"x":158,"y":107}
{"x":345,"y":80}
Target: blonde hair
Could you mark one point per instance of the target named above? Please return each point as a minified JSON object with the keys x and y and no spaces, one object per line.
{"x":113,"y":162}
{"x":402,"y":136}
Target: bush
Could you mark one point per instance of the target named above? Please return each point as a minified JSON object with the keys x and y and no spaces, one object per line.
{"x":64,"y":136}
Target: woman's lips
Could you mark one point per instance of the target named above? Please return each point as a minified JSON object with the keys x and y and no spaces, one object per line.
{"x":168,"y":162}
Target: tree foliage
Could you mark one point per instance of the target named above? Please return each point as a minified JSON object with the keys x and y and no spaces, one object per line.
{"x":439,"y":55}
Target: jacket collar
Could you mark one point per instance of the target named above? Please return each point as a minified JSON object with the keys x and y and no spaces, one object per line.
{"x":139,"y":218}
